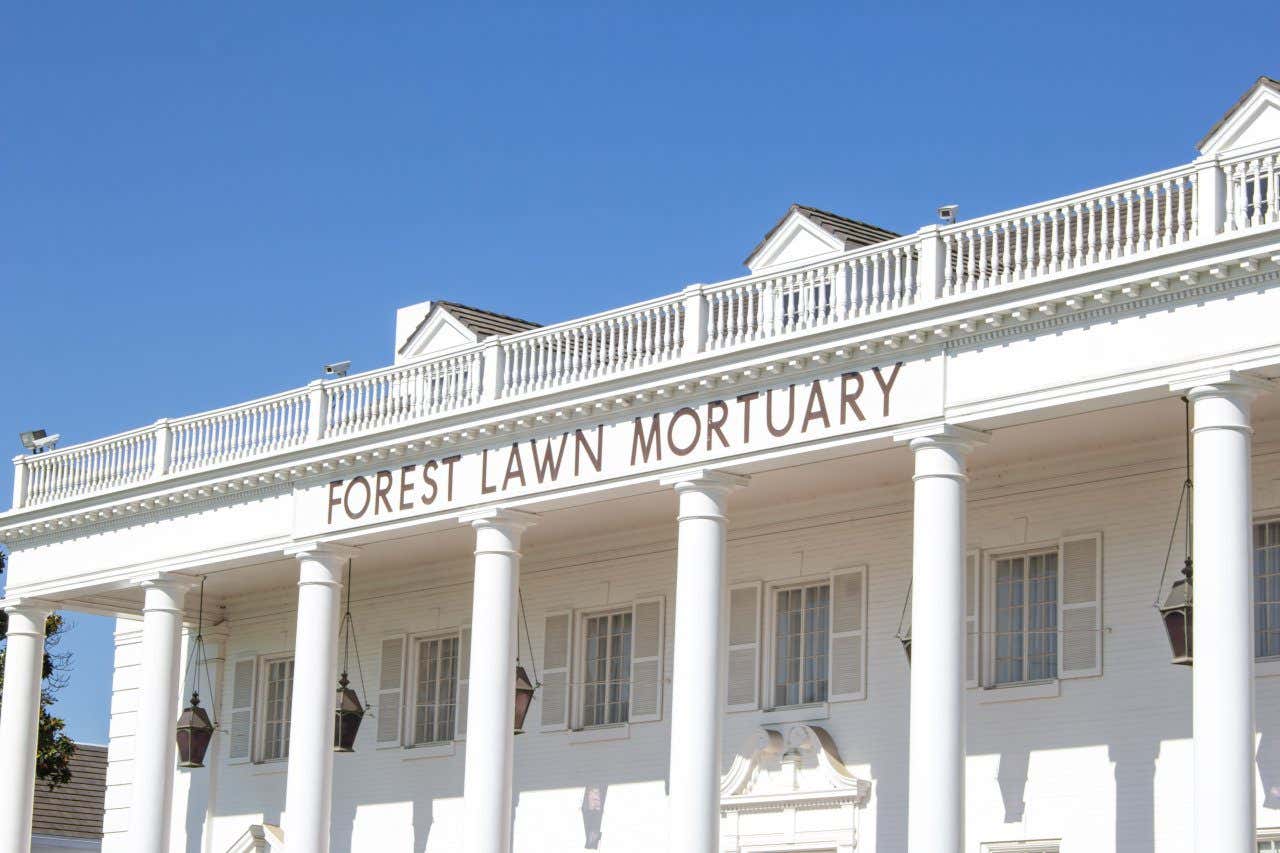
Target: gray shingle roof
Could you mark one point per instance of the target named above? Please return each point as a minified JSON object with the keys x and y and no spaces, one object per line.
{"x":851,"y":231}
{"x":74,"y":810}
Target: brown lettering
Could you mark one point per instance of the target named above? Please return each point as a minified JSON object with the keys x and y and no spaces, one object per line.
{"x":346,"y":497}
{"x":383,"y":479}
{"x":334,"y":501}
{"x":850,"y":401}
{"x":430,"y":497}
{"x":406,"y":485}
{"x":448,"y":462}
{"x":886,"y":387}
{"x":745,"y":400}
{"x":580,"y":444}
{"x":791,"y":411}
{"x":651,"y":443}
{"x":817,"y":407}
{"x":485,"y":488}
{"x":715,"y":426}
{"x":546,"y":465}
{"x":671,"y":431}
{"x":515,"y":468}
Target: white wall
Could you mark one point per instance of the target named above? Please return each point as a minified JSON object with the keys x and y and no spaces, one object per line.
{"x":1105,"y":765}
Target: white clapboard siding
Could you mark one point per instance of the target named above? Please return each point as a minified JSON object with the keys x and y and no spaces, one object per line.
{"x":1080,"y":606}
{"x":972,"y":618}
{"x":464,"y":682}
{"x":390,"y":692}
{"x":848,"y":634}
{"x":556,"y":641}
{"x":742,"y":691}
{"x":243,"y":677}
{"x":647,"y":629}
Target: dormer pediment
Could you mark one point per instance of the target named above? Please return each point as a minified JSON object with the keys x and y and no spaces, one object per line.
{"x":809,"y":234}
{"x":436,"y":328}
{"x":1253,"y":121}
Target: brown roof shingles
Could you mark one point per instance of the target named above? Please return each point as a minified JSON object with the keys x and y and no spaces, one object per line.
{"x":483,"y":323}
{"x":74,"y":810}
{"x":851,"y":231}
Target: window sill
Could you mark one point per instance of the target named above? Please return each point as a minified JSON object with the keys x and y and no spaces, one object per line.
{"x":1020,"y":692}
{"x":598,"y":734}
{"x":1266,"y":667}
{"x":274,"y":767}
{"x":797,"y":713}
{"x":428,"y":750}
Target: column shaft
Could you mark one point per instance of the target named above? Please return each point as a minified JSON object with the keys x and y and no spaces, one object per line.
{"x":935,"y":797}
{"x":20,"y":721}
{"x":1222,"y":679}
{"x":698,"y":673}
{"x":151,"y":802}
{"x":492,"y":686}
{"x":309,"y":787}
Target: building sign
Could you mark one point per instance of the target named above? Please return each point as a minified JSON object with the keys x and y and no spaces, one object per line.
{"x":722,"y":428}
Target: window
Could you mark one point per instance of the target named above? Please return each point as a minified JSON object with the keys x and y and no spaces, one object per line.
{"x":1269,"y":843}
{"x":802,"y":626}
{"x":606,"y":682}
{"x":436,"y":690}
{"x":1026,"y":617}
{"x":1266,"y":589}
{"x":276,"y":706}
{"x":1022,"y":847}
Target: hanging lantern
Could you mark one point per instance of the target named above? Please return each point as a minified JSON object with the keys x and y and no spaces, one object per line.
{"x":1175,"y":612}
{"x":905,"y":639}
{"x":195,"y":729}
{"x":524,"y":697}
{"x":348,"y":711}
{"x":347,"y":717}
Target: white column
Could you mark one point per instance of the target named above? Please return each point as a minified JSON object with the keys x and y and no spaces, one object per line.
{"x":698,"y":671}
{"x":492,"y":686}
{"x":309,"y":786}
{"x":19,"y":724}
{"x":1222,"y":675}
{"x":154,"y":744}
{"x":935,"y":792}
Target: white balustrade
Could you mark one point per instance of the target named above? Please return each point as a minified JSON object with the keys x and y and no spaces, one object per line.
{"x":1251,"y":192}
{"x":377,"y":400}
{"x":1123,"y":221}
{"x":589,"y":349}
{"x":1072,"y":233}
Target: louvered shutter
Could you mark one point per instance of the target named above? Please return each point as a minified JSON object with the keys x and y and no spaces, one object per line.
{"x":646,"y":660}
{"x":243,"y":676}
{"x":390,"y":692}
{"x":556,"y":641}
{"x":848,"y":660}
{"x":742,"y":691}
{"x":1080,"y":606}
{"x":972,"y":622}
{"x":464,"y":681}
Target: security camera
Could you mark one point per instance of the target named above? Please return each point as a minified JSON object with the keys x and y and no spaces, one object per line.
{"x":38,"y":441}
{"x":338,"y":368}
{"x":947,"y":213}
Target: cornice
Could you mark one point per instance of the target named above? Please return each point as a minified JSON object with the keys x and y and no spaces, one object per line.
{"x":968,"y":322}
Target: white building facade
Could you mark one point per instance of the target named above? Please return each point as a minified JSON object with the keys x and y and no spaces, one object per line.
{"x":703,"y":524}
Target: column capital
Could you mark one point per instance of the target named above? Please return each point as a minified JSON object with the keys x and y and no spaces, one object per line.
{"x":170,"y":581}
{"x":498,"y":516}
{"x":705,"y":479}
{"x":942,"y":435}
{"x":31,"y":611}
{"x":1231,"y":384}
{"x":322,"y":551}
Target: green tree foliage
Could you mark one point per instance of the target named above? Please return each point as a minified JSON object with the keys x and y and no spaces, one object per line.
{"x":54,"y":748}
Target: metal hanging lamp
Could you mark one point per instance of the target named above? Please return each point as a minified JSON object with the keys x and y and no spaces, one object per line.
{"x":1176,"y":610}
{"x":348,"y":711}
{"x":195,"y":729}
{"x":904,"y":624}
{"x":525,"y":688}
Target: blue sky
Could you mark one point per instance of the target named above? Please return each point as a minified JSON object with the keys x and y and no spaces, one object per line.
{"x":204,"y":205}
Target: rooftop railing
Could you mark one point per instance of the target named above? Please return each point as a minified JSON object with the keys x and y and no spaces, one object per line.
{"x":1124,"y":221}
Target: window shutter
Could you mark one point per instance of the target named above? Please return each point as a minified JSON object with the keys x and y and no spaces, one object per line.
{"x":556,"y":640}
{"x":390,"y":692}
{"x":646,"y":660}
{"x":464,"y":682}
{"x":742,"y":692}
{"x":848,"y":660}
{"x":973,"y":633}
{"x":1080,"y":606}
{"x":243,"y":677}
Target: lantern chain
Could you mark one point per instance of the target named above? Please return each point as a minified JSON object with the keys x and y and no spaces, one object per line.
{"x":528,"y":641}
{"x":1184,"y":497}
{"x":350,"y":641}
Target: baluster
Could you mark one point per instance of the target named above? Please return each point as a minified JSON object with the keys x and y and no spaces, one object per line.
{"x":1169,"y":228}
{"x":1021,"y":264}
{"x":982,"y":256}
{"x":971,"y":260}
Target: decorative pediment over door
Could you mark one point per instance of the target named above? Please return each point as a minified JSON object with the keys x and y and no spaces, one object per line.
{"x":789,"y":790}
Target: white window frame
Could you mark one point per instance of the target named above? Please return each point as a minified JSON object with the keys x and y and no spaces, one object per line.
{"x":409,"y":696}
{"x":769,"y":611}
{"x":1040,"y":846}
{"x":987,"y":616}
{"x":578,"y":691}
{"x":260,"y":712}
{"x":1270,"y":661}
{"x":1269,"y":835}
